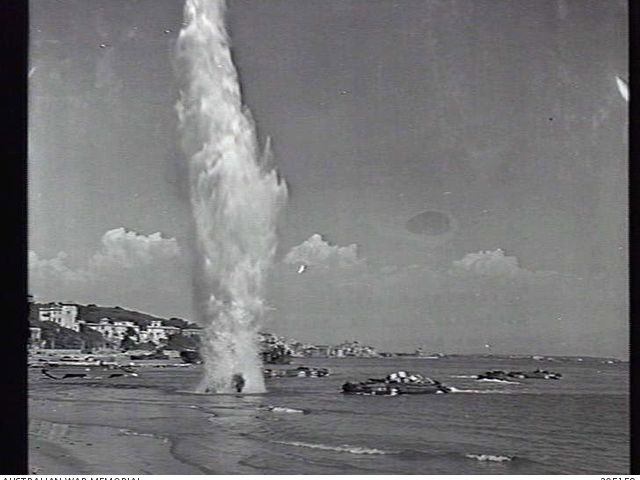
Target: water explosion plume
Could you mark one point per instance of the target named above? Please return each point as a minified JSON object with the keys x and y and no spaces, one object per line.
{"x":235,"y":200}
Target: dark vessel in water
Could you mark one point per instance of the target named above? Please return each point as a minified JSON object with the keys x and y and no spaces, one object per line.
{"x":296,"y":372}
{"x":506,"y":376}
{"x":496,"y":375}
{"x":537,"y":373}
{"x":400,"y":383}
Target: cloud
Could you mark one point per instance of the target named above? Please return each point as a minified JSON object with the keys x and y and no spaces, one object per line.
{"x":127,"y":249}
{"x":141,"y":271}
{"x":316,"y":251}
{"x":120,"y":250}
{"x":41,"y":269}
{"x":492,"y":264}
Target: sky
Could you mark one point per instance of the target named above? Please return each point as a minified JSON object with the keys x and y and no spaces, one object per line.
{"x":457,"y":170}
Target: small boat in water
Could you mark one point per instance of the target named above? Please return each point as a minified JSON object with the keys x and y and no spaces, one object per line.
{"x":296,"y":372}
{"x":496,"y":375}
{"x":506,"y":376}
{"x":544,"y":374}
{"x":400,"y":383}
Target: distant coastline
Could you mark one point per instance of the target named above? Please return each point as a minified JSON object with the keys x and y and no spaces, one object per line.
{"x":74,"y":326}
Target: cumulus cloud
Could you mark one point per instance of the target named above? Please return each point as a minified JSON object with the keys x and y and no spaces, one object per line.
{"x":315,"y":251}
{"x":54,"y":268}
{"x":144,"y":272}
{"x":127,"y":249}
{"x":120,"y":249}
{"x":491,"y":264}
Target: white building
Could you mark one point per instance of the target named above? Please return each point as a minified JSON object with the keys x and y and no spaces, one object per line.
{"x":156,"y":332}
{"x":64,"y":315}
{"x":114,"y":330}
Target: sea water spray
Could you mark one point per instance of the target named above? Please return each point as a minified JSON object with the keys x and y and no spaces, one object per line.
{"x":235,"y":200}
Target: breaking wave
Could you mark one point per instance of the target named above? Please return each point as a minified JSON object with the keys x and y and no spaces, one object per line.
{"x":132,"y":433}
{"x":275,"y":409}
{"x":355,"y":450}
{"x":489,"y":458}
{"x":497,"y":380}
{"x":462,"y":390}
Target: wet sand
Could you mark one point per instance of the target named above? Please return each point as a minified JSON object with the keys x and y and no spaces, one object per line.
{"x":57,"y":448}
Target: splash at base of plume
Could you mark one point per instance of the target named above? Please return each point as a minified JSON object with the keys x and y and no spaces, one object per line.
{"x":230,"y":352}
{"x":235,"y":201}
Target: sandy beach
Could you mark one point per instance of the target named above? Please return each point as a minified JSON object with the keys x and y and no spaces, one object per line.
{"x":57,"y":449}
{"x":66,"y":437}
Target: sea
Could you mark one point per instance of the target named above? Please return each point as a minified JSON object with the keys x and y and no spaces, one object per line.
{"x":578,"y":424}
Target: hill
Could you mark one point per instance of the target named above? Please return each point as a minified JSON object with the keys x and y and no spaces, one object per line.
{"x":93,"y":313}
{"x":60,"y":337}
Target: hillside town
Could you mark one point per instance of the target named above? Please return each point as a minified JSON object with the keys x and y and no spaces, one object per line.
{"x":68,"y":325}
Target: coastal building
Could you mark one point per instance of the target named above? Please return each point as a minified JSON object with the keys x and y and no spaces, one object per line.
{"x":157,"y":333}
{"x":114,"y":330}
{"x":65,"y":315}
{"x":353,"y":349}
{"x":296,"y":348}
{"x":317,"y":351}
{"x":269,"y":340}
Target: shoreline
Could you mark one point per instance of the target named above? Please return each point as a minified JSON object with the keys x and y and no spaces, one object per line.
{"x":63,"y":449}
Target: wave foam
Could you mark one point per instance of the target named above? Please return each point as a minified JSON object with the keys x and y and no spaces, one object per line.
{"x":460,"y":390}
{"x":489,"y":458}
{"x":463,"y":376}
{"x":133,"y":433}
{"x":273,"y":409}
{"x":497,"y":380}
{"x":342,"y":449}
